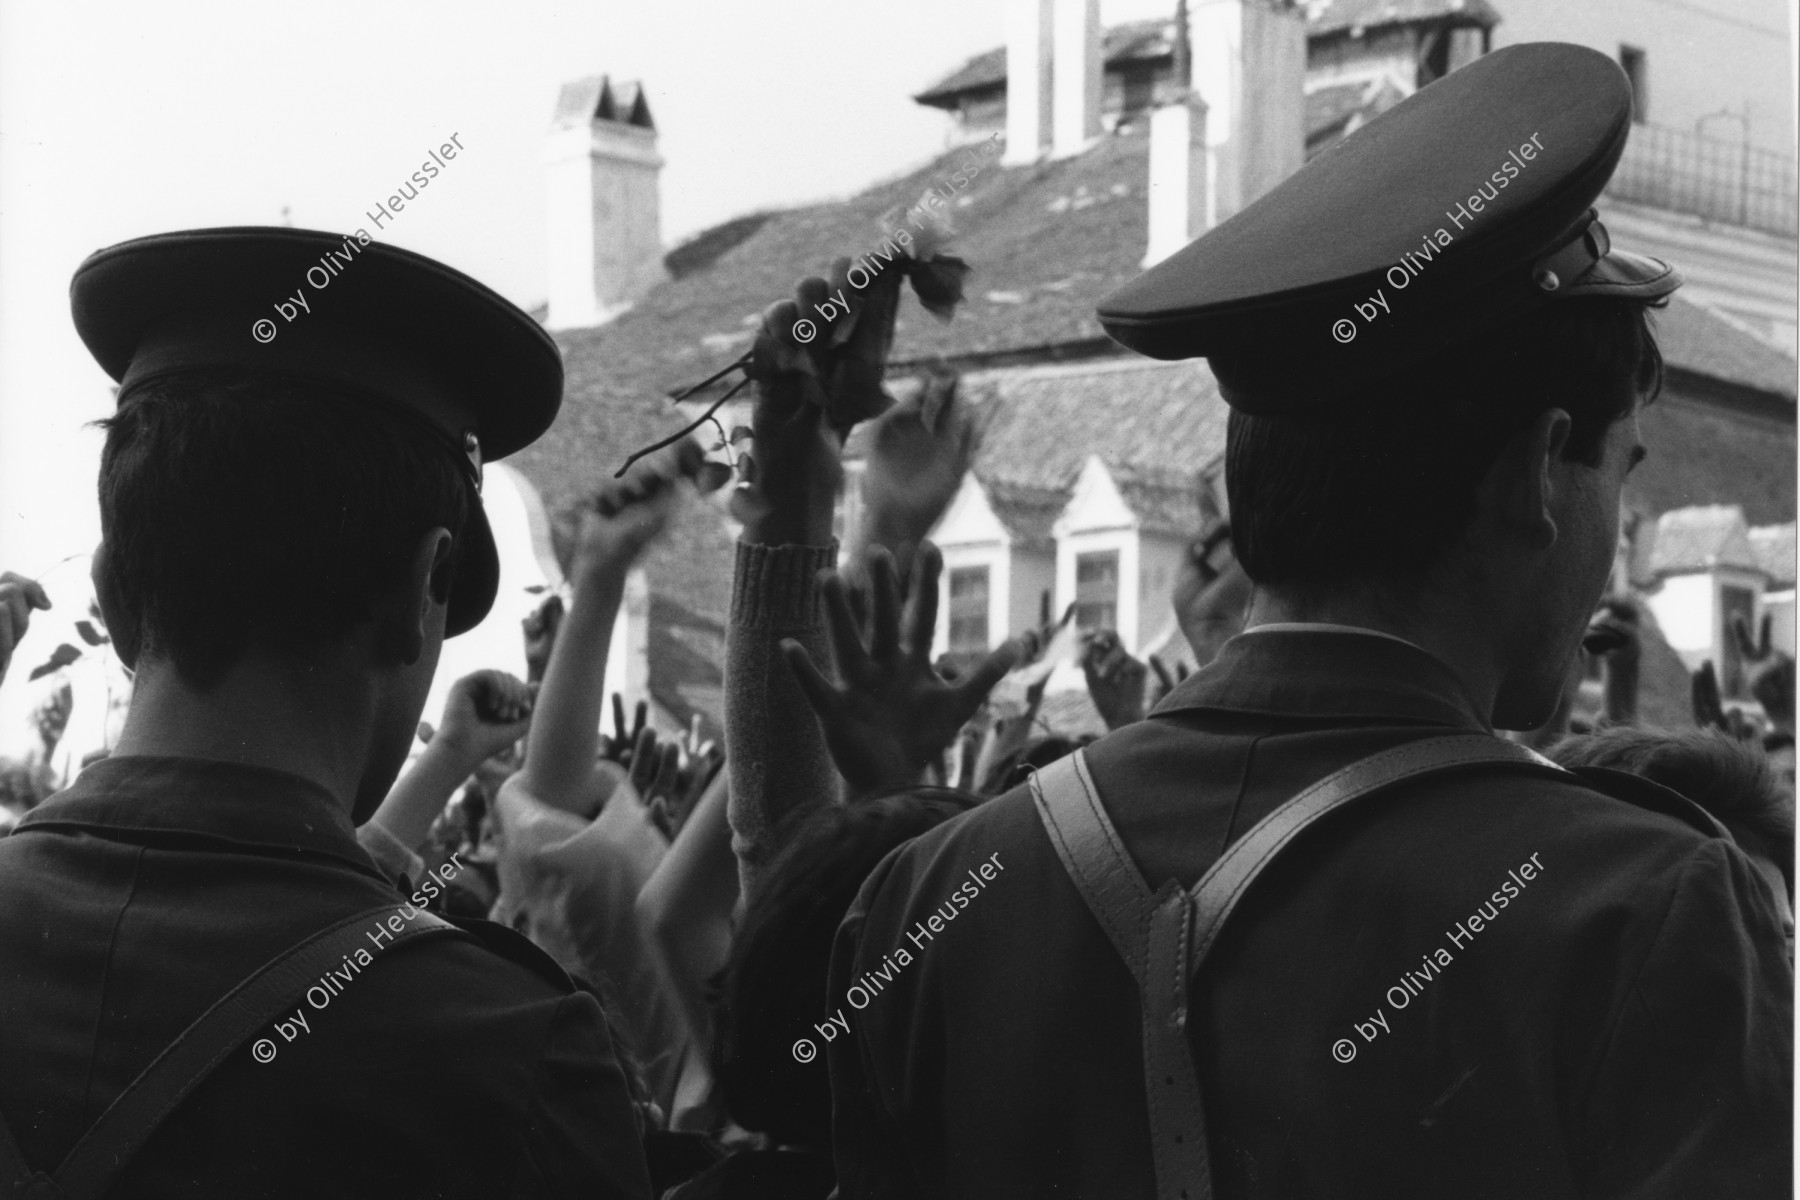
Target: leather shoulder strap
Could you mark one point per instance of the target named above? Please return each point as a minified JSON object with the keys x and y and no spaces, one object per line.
{"x":1150,"y":930}
{"x":1164,"y":936}
{"x":1225,"y":883}
{"x":137,"y":1112}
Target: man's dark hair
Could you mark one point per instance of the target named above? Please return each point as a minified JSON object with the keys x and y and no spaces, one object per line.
{"x":1378,"y":488}
{"x":240,"y":508}
{"x":1730,"y":779}
{"x":775,"y":980}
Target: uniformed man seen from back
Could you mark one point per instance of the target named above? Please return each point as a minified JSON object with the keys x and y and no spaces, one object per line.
{"x":292,"y":525}
{"x":1448,"y":968}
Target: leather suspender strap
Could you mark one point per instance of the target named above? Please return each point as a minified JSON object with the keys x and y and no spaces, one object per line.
{"x":1164,"y":936}
{"x":137,"y":1112}
{"x":1225,"y":882}
{"x":1151,"y":932}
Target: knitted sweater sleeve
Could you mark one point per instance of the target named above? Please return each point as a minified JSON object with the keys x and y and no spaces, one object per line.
{"x":775,"y":749}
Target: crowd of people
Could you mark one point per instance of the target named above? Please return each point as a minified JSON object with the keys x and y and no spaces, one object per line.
{"x":697,"y":886}
{"x":887,"y":932}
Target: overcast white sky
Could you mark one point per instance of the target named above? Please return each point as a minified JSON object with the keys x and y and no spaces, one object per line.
{"x":120,"y":119}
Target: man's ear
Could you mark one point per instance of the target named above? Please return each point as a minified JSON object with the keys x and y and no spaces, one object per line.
{"x":1525,"y":486}
{"x":417,"y":607}
{"x":121,"y":623}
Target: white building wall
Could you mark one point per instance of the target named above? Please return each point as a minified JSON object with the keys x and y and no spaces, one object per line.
{"x":1159,"y":558}
{"x":1686,"y":613}
{"x":1780,"y":609}
{"x":1033,"y":573}
{"x":1700,"y":57}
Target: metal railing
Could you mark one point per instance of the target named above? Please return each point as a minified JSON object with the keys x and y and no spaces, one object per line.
{"x":1727,"y":181}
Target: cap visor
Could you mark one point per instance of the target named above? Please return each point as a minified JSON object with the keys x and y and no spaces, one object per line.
{"x":1620,"y":273}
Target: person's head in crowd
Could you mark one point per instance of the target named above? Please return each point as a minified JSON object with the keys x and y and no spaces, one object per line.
{"x":1773,"y":687}
{"x":1035,"y":757}
{"x":24,"y":785}
{"x":774,"y":982}
{"x":1732,"y":780}
{"x":1779,"y":746}
{"x":1485,"y":481}
{"x":250,"y":516}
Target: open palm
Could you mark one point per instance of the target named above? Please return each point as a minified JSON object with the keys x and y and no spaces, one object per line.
{"x":893,"y":714}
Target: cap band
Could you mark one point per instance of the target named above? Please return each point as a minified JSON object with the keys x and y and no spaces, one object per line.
{"x":338,"y":358}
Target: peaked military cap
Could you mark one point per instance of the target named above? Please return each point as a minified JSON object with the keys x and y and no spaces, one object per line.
{"x":1467,"y":205}
{"x":469,"y":369}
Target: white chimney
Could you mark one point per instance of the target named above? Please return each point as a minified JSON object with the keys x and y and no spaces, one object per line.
{"x":1027,"y":80}
{"x":1178,"y":175}
{"x":605,"y":223}
{"x":1076,"y":76}
{"x":1250,"y":67}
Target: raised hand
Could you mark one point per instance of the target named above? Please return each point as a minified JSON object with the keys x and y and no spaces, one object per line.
{"x":18,"y":596}
{"x":623,"y":742}
{"x":539,"y":627}
{"x":626,"y":515}
{"x":485,"y":713}
{"x":918,"y":454}
{"x":1167,"y":680}
{"x":1612,"y":635}
{"x":790,"y":476}
{"x":668,"y":780}
{"x":1115,"y":679}
{"x":894,"y":714}
{"x":1212,"y":593}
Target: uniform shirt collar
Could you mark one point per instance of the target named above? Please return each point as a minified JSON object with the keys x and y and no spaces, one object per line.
{"x":235,"y":805}
{"x":1328,"y":672}
{"x":1329,"y":627}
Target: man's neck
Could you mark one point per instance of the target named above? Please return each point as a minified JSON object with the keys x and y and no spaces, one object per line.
{"x":284,"y":715}
{"x":1439,"y":634}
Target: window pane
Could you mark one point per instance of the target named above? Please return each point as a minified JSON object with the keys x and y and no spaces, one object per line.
{"x":968,"y":609}
{"x":1097,"y":590}
{"x":1735,"y":604}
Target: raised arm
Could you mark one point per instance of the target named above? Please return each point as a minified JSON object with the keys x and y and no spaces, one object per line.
{"x":685,"y":907}
{"x":485,"y":713}
{"x":624,"y":518}
{"x":775,"y":755}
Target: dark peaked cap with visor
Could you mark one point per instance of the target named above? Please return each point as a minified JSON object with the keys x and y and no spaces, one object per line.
{"x":1264,"y":296}
{"x":468,"y":369}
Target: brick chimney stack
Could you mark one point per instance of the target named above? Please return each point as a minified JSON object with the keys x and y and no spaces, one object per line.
{"x":604,"y":209}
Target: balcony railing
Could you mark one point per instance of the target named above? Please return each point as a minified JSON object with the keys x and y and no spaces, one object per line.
{"x":1724,"y":181}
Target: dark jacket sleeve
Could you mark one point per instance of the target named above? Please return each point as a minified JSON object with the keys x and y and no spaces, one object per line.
{"x":870,"y":1157}
{"x":1693,"y":1091}
{"x":581,"y":1135}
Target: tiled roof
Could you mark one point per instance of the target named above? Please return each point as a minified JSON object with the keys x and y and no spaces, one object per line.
{"x":1151,"y":422}
{"x":1027,"y":512}
{"x":1156,"y":426}
{"x":1325,"y":17}
{"x":1700,"y":538}
{"x":1337,"y":109}
{"x":1696,"y":339}
{"x":1167,"y":503}
{"x":1153,"y":39}
{"x":1133,"y":41}
{"x":1046,"y":241}
{"x":1773,"y":546}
